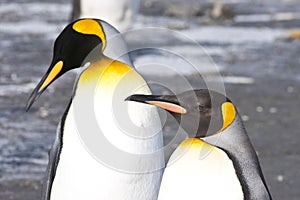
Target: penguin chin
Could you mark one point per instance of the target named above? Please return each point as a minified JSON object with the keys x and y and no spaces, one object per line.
{"x":207,"y":125}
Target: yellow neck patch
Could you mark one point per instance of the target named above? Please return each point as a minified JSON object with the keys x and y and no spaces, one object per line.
{"x":104,"y":69}
{"x":195,"y":143}
{"x":228,"y":113}
{"x":90,"y":27}
{"x":191,"y":141}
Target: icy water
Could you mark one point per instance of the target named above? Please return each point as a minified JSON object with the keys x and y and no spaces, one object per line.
{"x":260,"y":68}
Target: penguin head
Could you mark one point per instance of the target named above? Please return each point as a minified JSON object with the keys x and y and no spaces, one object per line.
{"x":72,"y":48}
{"x":200,"y":112}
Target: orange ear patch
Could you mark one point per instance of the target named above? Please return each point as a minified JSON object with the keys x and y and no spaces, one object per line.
{"x":90,"y":27}
{"x":229,"y":113}
{"x":168,"y":106}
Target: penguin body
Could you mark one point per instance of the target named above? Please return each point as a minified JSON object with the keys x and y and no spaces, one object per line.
{"x":235,"y":142}
{"x":74,"y":170}
{"x":218,"y":165}
{"x":193,"y":173}
{"x":79,"y":175}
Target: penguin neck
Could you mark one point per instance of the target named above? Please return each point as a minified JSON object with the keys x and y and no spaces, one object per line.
{"x":236,"y":143}
{"x":92,"y":75}
{"x":99,"y":100}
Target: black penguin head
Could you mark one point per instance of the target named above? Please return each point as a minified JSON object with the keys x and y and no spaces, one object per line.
{"x":199,"y":112}
{"x":72,"y":47}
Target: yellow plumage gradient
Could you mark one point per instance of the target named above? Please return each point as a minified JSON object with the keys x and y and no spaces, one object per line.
{"x":106,"y":70}
{"x":195,"y":143}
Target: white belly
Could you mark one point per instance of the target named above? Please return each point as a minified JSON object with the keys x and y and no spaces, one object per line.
{"x":79,"y":175}
{"x":196,"y":173}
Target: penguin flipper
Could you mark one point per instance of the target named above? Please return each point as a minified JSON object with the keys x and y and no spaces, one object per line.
{"x":52,"y":165}
{"x":54,"y":155}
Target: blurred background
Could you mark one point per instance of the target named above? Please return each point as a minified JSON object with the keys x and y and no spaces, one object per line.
{"x":255,"y":44}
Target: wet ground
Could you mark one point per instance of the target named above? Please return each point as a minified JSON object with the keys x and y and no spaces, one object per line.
{"x":260,"y":68}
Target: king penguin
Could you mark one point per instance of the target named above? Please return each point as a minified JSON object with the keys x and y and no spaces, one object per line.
{"x":75,"y":170}
{"x":217,"y":161}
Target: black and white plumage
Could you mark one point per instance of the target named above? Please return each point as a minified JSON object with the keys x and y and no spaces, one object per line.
{"x":218,"y":160}
{"x":74,"y":171}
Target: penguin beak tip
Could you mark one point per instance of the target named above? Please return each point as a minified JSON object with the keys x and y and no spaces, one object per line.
{"x":137,"y":98}
{"x":33,"y":97}
{"x":128,"y":98}
{"x":28,"y":106}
